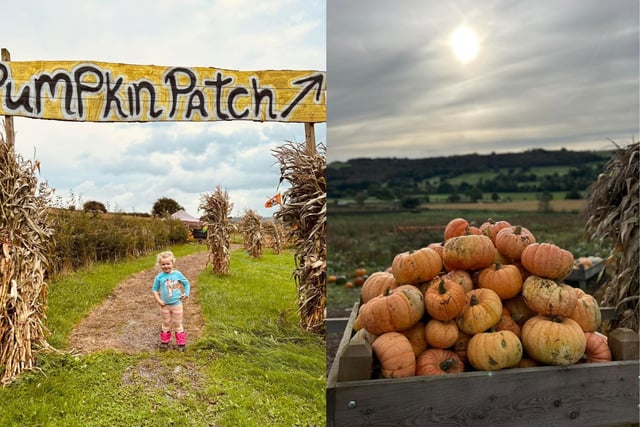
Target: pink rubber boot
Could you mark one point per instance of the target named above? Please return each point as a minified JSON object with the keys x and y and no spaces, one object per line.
{"x":165,"y":337}
{"x":181,"y":339}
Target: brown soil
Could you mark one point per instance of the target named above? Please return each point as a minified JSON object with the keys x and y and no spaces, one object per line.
{"x":129,"y":319}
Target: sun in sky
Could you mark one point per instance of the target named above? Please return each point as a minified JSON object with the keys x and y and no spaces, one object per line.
{"x":464,"y":43}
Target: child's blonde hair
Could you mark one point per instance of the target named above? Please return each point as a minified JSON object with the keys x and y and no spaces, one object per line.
{"x":166,"y":254}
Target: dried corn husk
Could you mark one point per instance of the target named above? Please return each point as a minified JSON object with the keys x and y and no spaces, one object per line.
{"x":217,"y":210}
{"x":26,"y":239}
{"x":303,"y":212}
{"x":273,"y":236}
{"x":613,"y":214}
{"x":251,"y":229}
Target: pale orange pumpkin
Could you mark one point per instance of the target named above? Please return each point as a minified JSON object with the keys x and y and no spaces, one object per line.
{"x":490,"y":228}
{"x":505,"y":280}
{"x":396,"y":310}
{"x":441,"y":334}
{"x":597,"y":348}
{"x":376,"y":284}
{"x":472,"y":252}
{"x":462,"y":277}
{"x":436,"y":361}
{"x":506,"y":323}
{"x":414,"y":267}
{"x":547,"y":260}
{"x":444,"y":298}
{"x":554,"y":341}
{"x":491,"y":351}
{"x":527,"y":362}
{"x":549,"y":298}
{"x":416,"y":337}
{"x":395,"y":354}
{"x":482,"y":310}
{"x":520,"y":311}
{"x":511,"y":241}
{"x":587,"y":311}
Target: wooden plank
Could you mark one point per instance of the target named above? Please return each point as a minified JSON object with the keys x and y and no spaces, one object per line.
{"x":356,"y":360}
{"x":601,"y":394}
{"x":336,"y":324}
{"x":10,"y":135}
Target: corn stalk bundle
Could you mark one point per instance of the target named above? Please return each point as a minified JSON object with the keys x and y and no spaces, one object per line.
{"x":613,"y":213}
{"x":26,"y":250}
{"x":303,"y":212}
{"x":273,"y":231}
{"x":251,"y":230}
{"x":217,"y":209}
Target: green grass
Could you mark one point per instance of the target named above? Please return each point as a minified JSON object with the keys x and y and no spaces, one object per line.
{"x":252,"y":367}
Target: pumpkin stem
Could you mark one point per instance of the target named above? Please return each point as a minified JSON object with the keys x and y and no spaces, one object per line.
{"x":498,"y":266}
{"x":517,"y":230}
{"x":447,"y":364}
{"x":557,"y":319}
{"x":474,"y":300}
{"x":441,"y":289}
{"x":387,"y":291}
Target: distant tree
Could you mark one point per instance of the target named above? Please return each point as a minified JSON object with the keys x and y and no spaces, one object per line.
{"x":92,"y":206}
{"x":573,"y":195}
{"x":453,"y":198}
{"x":544,"y":201}
{"x":495,"y":197}
{"x":410,"y":202}
{"x":360,"y":197}
{"x":164,"y":206}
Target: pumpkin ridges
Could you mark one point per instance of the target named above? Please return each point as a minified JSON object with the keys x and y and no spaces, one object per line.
{"x":444,"y":298}
{"x":441,"y":334}
{"x":490,"y":351}
{"x":547,"y":297}
{"x":547,"y":260}
{"x":482,"y":310}
{"x":555,"y":341}
{"x":437,"y":361}
{"x":505,"y":280}
{"x":375,"y":285}
{"x":596,"y":349}
{"x":586,"y":312}
{"x":396,"y":356}
{"x":511,"y":241}
{"x":469,"y":252}
{"x":414,"y":267}
{"x":400,"y":309}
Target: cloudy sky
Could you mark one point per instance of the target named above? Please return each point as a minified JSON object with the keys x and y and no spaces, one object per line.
{"x":129,"y":166}
{"x":533,"y":74}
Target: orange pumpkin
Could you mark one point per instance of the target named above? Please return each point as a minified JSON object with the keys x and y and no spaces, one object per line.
{"x":441,"y":334}
{"x":507,"y":323}
{"x":520,"y":311}
{"x":414,"y":267}
{"x":462,"y":277}
{"x":490,"y":228}
{"x":527,"y":362}
{"x":547,"y":260}
{"x":438,"y":247}
{"x":416,"y":337}
{"x":436,"y":361}
{"x":597,"y":348}
{"x":491,"y":351}
{"x":587,"y":311}
{"x":444,"y":298}
{"x":396,"y":310}
{"x":471,"y":252}
{"x":511,"y":241}
{"x":461,"y":344}
{"x":554,"y":341}
{"x":395,"y":354}
{"x":505,"y":280}
{"x":376,"y":284}
{"x":549,"y":298}
{"x":482,"y":310}
{"x":456,"y":227}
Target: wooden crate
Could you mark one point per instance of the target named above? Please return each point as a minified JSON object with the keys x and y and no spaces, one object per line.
{"x":596,"y":394}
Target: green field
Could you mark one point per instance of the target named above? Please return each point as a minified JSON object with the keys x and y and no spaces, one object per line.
{"x":371,"y":240}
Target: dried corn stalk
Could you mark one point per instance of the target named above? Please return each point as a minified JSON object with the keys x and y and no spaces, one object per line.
{"x":614,"y":213}
{"x":273,"y":233}
{"x":304,"y":211}
{"x":217,"y":210}
{"x":27,"y":247}
{"x":251,"y":230}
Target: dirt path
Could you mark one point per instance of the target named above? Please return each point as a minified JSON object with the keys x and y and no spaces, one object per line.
{"x":129,"y":319}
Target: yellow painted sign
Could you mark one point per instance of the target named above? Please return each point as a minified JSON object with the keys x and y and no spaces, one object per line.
{"x":108,"y":92}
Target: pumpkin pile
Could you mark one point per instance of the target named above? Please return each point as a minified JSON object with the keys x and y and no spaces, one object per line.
{"x":485,"y":298}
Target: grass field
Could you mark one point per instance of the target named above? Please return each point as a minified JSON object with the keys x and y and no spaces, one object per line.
{"x":253,"y":366}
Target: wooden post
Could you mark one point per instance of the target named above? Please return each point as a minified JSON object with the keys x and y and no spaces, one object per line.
{"x":8,"y":120}
{"x":310,"y":137}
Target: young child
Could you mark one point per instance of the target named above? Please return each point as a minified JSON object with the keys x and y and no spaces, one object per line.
{"x":170,"y":288}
